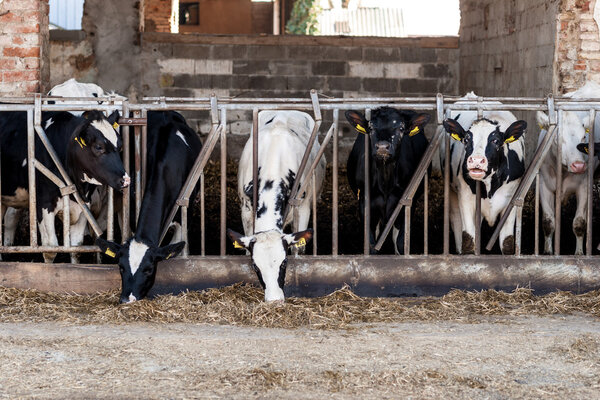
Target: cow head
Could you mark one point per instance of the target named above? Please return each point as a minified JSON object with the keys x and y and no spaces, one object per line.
{"x":137,"y":264}
{"x":386,"y":129}
{"x":574,"y":131}
{"x":269,"y":256}
{"x":484,"y":144}
{"x":93,"y":151}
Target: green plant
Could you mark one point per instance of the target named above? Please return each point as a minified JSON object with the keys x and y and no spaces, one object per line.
{"x":303,"y":20}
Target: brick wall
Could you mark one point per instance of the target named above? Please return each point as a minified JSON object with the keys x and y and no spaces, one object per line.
{"x":23,"y":47}
{"x":578,"y":50}
{"x":157,"y":15}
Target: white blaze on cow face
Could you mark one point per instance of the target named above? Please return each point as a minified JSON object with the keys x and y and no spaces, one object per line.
{"x":574,"y":131}
{"x":107,"y":131}
{"x":93,"y":181}
{"x":180,"y":135}
{"x":477,"y":162}
{"x":137,"y":251}
{"x":269,"y":257}
{"x":48,"y":123}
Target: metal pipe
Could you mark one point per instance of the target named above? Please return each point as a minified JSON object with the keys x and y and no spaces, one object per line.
{"x":255,"y":168}
{"x":536,"y":249}
{"x":315,"y":163}
{"x":110,"y":218}
{"x":125,"y":229}
{"x":138,"y":167}
{"x":518,"y":227}
{"x":31,"y":169}
{"x":202,"y":216}
{"x":144,"y":152}
{"x":406,"y":231}
{"x":590,"y":184}
{"x":66,"y":222}
{"x":334,"y":188}
{"x":367,"y":193}
{"x":47,"y":249}
{"x":558,"y":192}
{"x":426,"y":215}
{"x":477,"y":218}
{"x":184,"y":231}
{"x":223,"y":214}
{"x":314,"y":212}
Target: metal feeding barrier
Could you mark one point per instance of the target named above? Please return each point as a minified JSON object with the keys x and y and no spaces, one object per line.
{"x":351,"y":268}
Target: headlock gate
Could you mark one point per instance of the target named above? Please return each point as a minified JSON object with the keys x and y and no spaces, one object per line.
{"x":314,"y":274}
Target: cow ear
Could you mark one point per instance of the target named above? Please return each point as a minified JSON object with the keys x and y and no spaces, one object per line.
{"x":515,"y":131}
{"x":80,"y":133}
{"x":357,"y":120}
{"x":168,"y":251}
{"x":455,"y":129}
{"x":111,"y":249}
{"x":298,"y":239}
{"x":542,"y":120}
{"x":583,"y":147}
{"x":239,"y":241}
{"x":113,"y":118}
{"x":417,"y":123}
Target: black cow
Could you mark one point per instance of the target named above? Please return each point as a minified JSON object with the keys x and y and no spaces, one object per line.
{"x":87,"y":145}
{"x":172,"y":149}
{"x":397,"y":144}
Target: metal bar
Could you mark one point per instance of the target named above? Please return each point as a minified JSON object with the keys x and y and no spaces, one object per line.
{"x":477,"y":218}
{"x":48,"y":174}
{"x":110,"y":218}
{"x":518,"y":228}
{"x":314,"y":212}
{"x":144,"y":152}
{"x":536,"y":249}
{"x":31,"y":170}
{"x":125,"y":229}
{"x":406,"y":231}
{"x":202,"y":216}
{"x":426,"y":215}
{"x":543,"y":148}
{"x":66,"y":222}
{"x":315,"y":163}
{"x":1,"y":208}
{"x":334,"y":188}
{"x":223,"y":238}
{"x":367,"y":193}
{"x":137,"y":167}
{"x":301,"y":169}
{"x":590,"y":184}
{"x":133,"y":121}
{"x":184,"y":231}
{"x":558,"y":193}
{"x":47,"y":249}
{"x":255,"y":167}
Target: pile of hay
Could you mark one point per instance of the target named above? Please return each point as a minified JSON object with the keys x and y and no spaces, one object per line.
{"x":243,"y":305}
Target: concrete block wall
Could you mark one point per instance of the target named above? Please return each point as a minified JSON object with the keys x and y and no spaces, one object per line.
{"x":24,"y":67}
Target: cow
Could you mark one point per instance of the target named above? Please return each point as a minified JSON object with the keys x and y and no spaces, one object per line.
{"x":171,"y":152}
{"x":396,"y":145}
{"x":73,"y":88}
{"x":87,"y":145}
{"x":574,"y":131}
{"x":489,"y":150}
{"x":282,"y":140}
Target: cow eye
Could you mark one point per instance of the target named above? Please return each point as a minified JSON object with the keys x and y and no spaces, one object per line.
{"x":98,"y":148}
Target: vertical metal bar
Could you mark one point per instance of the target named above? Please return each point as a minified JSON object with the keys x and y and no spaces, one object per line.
{"x":184,"y":230}
{"x":223,"y":238}
{"x":314,"y":212}
{"x":407,"y":230}
{"x":1,"y":209}
{"x":447,"y":198}
{"x":144,"y":151}
{"x":426,"y":215}
{"x":125,"y":231}
{"x":558,"y":193}
{"x":477,"y":218}
{"x":138,"y":167}
{"x":590,"y":185}
{"x":110,"y":218}
{"x":536,"y":250}
{"x":67,"y":222}
{"x":202,"y":217}
{"x":254,"y":165}
{"x":31,"y":170}
{"x":367,"y":193}
{"x":518,"y":229}
{"x":334,"y":188}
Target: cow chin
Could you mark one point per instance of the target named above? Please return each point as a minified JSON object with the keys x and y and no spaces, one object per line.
{"x":383,"y":157}
{"x":477,"y":174}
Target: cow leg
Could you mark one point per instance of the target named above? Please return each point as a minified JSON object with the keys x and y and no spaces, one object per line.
{"x":48,"y":233}
{"x":455,"y":221}
{"x":399,"y":234}
{"x":466,"y":204}
{"x":78,"y":229}
{"x":177,"y":232}
{"x":11,"y":219}
{"x":547,"y":203}
{"x":507,"y":234}
{"x":579,"y":222}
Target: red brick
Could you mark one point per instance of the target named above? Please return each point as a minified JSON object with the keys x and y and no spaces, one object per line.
{"x":32,"y":63}
{"x":28,"y":29}
{"x":7,"y":63}
{"x":10,"y":17}
{"x":21,"y":52}
{"x":580,"y":65}
{"x":21,"y":76}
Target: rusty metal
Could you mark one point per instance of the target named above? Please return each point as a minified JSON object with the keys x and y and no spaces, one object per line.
{"x":334,"y":187}
{"x":367,"y":192}
{"x":406,"y":230}
{"x":132,"y":121}
{"x":590,"y":184}
{"x":223,"y":213}
{"x":558,"y":192}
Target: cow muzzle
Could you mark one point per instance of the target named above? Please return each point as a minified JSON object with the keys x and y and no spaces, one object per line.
{"x":477,"y":167}
{"x":578,"y":167}
{"x":127,"y":300}
{"x":125,"y":181}
{"x":382,"y":150}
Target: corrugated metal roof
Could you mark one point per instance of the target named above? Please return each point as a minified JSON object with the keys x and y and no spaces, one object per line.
{"x":382,"y":22}
{"x":66,"y":14}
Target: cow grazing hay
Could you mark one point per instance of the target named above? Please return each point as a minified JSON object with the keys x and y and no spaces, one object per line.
{"x":242,"y":305}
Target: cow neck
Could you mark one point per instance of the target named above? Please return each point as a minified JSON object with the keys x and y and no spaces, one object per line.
{"x":273,"y":197}
{"x":156,"y":205}
{"x":384,"y":177}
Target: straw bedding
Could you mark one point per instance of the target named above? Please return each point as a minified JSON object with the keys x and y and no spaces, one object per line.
{"x":243,"y":305}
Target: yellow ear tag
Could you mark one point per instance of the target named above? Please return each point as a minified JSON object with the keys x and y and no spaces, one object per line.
{"x":585,"y":148}
{"x":587,"y":130}
{"x":455,"y":136}
{"x":116,"y":126}
{"x":237,"y":245}
{"x":414,"y":131}
{"x":510,"y":139}
{"x":169,"y":256}
{"x":358,"y":194}
{"x":301,"y":242}
{"x":110,"y":253}
{"x":82,"y":141}
{"x":361,"y":129}
{"x":77,"y":139}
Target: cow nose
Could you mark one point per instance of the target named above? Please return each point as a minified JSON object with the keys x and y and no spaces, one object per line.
{"x":382,"y":146}
{"x":578,"y":167}
{"x":127,"y":299}
{"x":477,"y":162}
{"x":125,"y":181}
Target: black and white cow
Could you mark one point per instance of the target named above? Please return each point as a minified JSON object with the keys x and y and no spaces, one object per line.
{"x":574,"y":132}
{"x":172,"y":149}
{"x":489,"y":150}
{"x":282,"y":140}
{"x":73,"y":88}
{"x":87,"y":145}
{"x":396,"y":144}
